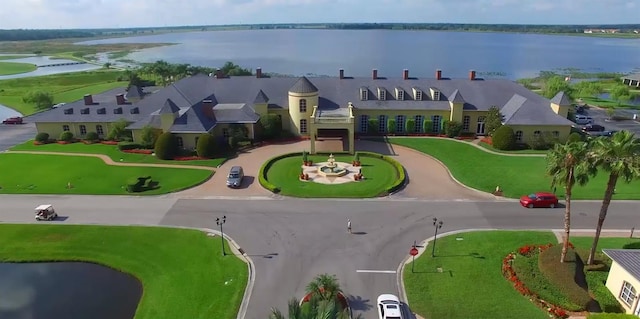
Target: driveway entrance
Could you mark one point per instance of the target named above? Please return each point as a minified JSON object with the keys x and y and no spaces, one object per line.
{"x":337,"y":140}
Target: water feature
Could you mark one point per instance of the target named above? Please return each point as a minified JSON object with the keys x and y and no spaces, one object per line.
{"x":66,"y":290}
{"x":332,"y":169}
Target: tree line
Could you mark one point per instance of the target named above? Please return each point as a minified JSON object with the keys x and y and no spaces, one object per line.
{"x":31,"y":35}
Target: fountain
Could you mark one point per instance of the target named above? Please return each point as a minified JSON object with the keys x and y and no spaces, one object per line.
{"x":331,"y":169}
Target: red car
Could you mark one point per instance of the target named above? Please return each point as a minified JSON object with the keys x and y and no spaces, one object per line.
{"x":540,"y":199}
{"x":13,"y":120}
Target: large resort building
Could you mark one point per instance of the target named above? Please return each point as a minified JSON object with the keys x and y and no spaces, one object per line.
{"x":314,"y":107}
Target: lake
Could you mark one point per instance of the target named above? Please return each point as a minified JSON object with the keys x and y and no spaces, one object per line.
{"x":66,"y":290}
{"x":45,"y":60}
{"x":323,"y":52}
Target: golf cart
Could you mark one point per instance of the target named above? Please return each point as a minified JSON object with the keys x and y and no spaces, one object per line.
{"x":45,"y":212}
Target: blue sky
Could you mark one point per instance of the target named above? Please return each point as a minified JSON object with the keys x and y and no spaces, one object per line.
{"x":127,"y":13}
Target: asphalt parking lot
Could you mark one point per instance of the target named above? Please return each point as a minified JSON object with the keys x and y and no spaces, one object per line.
{"x":12,"y":134}
{"x":600,"y":117}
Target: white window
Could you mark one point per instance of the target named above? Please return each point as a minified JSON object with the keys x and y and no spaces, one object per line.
{"x":436,"y":95}
{"x":519,"y":136}
{"x":419,"y":120}
{"x":536,"y":134}
{"x":399,"y":94}
{"x":303,"y":126}
{"x":382,"y":94}
{"x":99,"y":130}
{"x":418,"y":95}
{"x":180,"y":142}
{"x":382,"y":123}
{"x":400,"y":123}
{"x":364,"y":94}
{"x":466,"y":123}
{"x":436,"y":123}
{"x":364,"y":123}
{"x":556,"y":134}
{"x":627,"y":293}
{"x":65,"y":128}
{"x":83,"y":130}
{"x":303,"y":106}
{"x":225,"y":132}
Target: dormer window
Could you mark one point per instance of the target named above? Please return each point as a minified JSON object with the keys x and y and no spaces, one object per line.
{"x":364,"y":94}
{"x":382,"y":94}
{"x":117,"y":110}
{"x":435,"y":94}
{"x":417,"y":94}
{"x":399,"y":94}
{"x":84,"y":111}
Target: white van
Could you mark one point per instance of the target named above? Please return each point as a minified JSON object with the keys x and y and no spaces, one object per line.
{"x":583,"y":119}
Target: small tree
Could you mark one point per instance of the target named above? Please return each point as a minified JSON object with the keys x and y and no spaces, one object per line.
{"x":493,"y":120}
{"x":373,"y":125}
{"x":92,"y":137}
{"x":410,"y":126}
{"x":148,"y":136}
{"x":66,"y":136}
{"x":206,"y":146}
{"x":504,"y":138}
{"x":42,"y":137}
{"x":107,"y":65}
{"x":41,"y":99}
{"x":118,"y":130}
{"x":305,"y":156}
{"x":620,"y":93}
{"x":453,"y":128}
{"x":556,"y":84}
{"x":271,"y":125}
{"x":166,"y":147}
{"x":427,"y":126}
{"x":391,"y":126}
{"x":443,"y":126}
{"x":610,"y":112}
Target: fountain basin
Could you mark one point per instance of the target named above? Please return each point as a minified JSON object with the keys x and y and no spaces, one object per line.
{"x":335,"y":171}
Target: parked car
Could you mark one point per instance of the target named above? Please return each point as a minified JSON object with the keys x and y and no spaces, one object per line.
{"x":389,"y":307}
{"x":540,"y":199}
{"x":583,"y":119}
{"x":13,"y":120}
{"x":593,"y":128}
{"x":602,"y":133}
{"x":45,"y":212}
{"x":234,"y":179}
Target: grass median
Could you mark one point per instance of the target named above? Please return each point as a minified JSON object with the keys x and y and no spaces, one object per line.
{"x":52,"y":174}
{"x":9,"y":68}
{"x":183,"y":272}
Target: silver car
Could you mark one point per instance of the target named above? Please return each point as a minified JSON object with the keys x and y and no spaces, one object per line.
{"x":234,"y":179}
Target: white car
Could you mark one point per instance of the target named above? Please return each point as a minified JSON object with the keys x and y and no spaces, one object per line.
{"x":389,"y":307}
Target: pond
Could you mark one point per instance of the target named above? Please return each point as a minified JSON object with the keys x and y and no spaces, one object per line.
{"x":66,"y":290}
{"x":47,"y":60}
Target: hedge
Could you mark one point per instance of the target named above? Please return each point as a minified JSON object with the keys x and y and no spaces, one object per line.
{"x":399,"y":168}
{"x":124,"y":146}
{"x":262,"y":174}
{"x":563,"y":275}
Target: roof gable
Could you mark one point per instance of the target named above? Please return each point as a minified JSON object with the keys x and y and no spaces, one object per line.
{"x":628,"y":259}
{"x":261,"y":98}
{"x":169,"y":107}
{"x":303,"y":85}
{"x":561,"y":99}
{"x":456,"y":97}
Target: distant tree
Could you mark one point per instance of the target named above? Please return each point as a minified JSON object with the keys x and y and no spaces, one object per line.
{"x":118,"y":130}
{"x":231,"y":69}
{"x":620,"y":93}
{"x":107,"y":65}
{"x":587,"y":89}
{"x":42,"y":100}
{"x":556,"y":84}
{"x":37,"y":52}
{"x":493,"y":120}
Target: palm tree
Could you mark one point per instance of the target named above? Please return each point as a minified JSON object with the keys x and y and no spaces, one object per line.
{"x":620,"y":156}
{"x":325,"y":286}
{"x":567,"y":165}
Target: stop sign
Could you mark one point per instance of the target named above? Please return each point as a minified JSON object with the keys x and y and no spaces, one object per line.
{"x":413,"y":251}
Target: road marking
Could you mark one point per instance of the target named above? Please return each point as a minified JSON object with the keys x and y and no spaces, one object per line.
{"x":377,"y":271}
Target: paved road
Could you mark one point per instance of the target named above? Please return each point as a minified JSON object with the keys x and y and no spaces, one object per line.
{"x":600,"y":117}
{"x":292,"y":240}
{"x":11,"y":135}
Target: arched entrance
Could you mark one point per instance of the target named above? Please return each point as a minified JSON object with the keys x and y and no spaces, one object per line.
{"x":335,"y":124}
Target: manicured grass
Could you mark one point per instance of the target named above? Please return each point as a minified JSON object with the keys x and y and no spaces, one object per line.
{"x":49,"y":174}
{"x":611,"y":316}
{"x":516,"y":175}
{"x":183,"y":272}
{"x":471,"y":284}
{"x":491,"y":148}
{"x":12,"y":57}
{"x":113,"y":152}
{"x":607,"y":103}
{"x":67,"y":87}
{"x":8,"y":68}
{"x":378,"y":176}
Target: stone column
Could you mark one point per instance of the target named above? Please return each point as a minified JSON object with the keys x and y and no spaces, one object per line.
{"x":351,"y":142}
{"x":312,"y":138}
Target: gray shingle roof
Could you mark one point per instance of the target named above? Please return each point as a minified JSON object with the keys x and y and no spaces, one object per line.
{"x":629,"y":259}
{"x":520,"y":110}
{"x":633,"y":76}
{"x":193,"y":121}
{"x":169,"y":107}
{"x":134,"y":92}
{"x":561,"y":99}
{"x":456,"y":97}
{"x":235,"y":113}
{"x":303,"y":86}
{"x":261,"y":98}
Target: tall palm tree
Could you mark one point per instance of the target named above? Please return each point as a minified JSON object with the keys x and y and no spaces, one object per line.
{"x":568,"y":164}
{"x":620,"y":156}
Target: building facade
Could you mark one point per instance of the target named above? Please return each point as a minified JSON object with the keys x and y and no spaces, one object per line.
{"x":624,"y":278}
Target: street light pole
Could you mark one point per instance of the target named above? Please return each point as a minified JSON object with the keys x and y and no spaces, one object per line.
{"x":221,"y":222}
{"x":438,"y":224}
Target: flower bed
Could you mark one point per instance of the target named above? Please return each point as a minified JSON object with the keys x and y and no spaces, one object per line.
{"x":189,"y":158}
{"x":139,"y":151}
{"x":109,"y":142}
{"x":510,"y":274}
{"x":487,"y":139}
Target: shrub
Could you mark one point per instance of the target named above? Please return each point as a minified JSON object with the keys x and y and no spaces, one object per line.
{"x":634,"y":245}
{"x":575,"y":137}
{"x":453,"y":128}
{"x":443,"y":126}
{"x":391,"y":126}
{"x":562,"y":275}
{"x":427,"y":126}
{"x":400,"y":178}
{"x":92,"y":137}
{"x":410,"y":126}
{"x":543,"y":141}
{"x":270,"y":126}
{"x":373,"y":125}
{"x":262,"y":174}
{"x":66,"y":136}
{"x":206,"y":146}
{"x":504,"y":138}
{"x":596,"y":281}
{"x":124,"y":146}
{"x":148,"y":136}
{"x":166,"y":147}
{"x":119,"y":131}
{"x":42,"y":137}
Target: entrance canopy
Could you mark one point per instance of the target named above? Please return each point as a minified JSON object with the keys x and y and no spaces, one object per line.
{"x":332,"y":119}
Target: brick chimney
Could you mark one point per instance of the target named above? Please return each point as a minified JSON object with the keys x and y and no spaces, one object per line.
{"x":405,"y":74}
{"x":88,"y":99}
{"x":207,"y":108}
{"x":341,"y":71}
{"x":258,"y":73}
{"x":472,"y":75}
{"x":120,"y":99}
{"x":438,"y":74}
{"x":374,"y":74}
{"x":219,"y":74}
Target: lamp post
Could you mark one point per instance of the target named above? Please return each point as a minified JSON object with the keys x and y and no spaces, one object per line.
{"x":438,"y":224}
{"x":220,"y":222}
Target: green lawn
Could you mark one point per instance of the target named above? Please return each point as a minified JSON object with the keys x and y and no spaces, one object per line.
{"x":50,"y":174}
{"x":491,"y":148}
{"x":9,"y":68}
{"x":183,"y":272}
{"x":516,"y":175}
{"x":471,"y":277}
{"x":607,"y":103}
{"x":67,"y":87}
{"x":113,"y":152}
{"x":12,"y":57}
{"x":378,"y":176}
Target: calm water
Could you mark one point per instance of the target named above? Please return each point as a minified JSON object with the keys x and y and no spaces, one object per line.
{"x":44,"y":60}
{"x":323,"y":52}
{"x":6,"y":112}
{"x":66,"y":291}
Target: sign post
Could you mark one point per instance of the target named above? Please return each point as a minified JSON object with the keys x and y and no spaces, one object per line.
{"x":413,"y":252}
